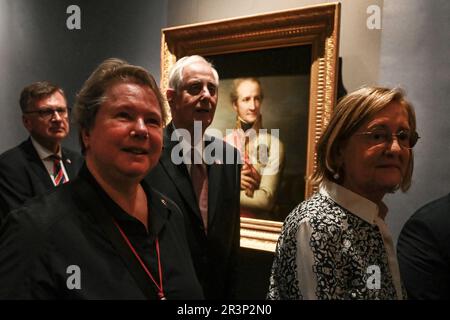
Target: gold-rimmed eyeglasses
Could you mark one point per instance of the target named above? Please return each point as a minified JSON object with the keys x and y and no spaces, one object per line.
{"x":406,"y":139}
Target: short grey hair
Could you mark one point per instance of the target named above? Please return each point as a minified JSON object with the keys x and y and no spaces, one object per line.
{"x":176,"y":73}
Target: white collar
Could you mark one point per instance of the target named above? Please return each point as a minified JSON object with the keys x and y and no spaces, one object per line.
{"x":356,"y":204}
{"x":42,"y":151}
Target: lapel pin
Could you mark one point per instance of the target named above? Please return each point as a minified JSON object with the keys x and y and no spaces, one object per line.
{"x":68,"y":161}
{"x":164,"y":202}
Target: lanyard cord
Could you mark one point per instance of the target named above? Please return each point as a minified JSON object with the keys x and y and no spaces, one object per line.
{"x":160,"y":286}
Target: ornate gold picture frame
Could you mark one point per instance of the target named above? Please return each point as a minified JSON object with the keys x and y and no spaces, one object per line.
{"x":279,"y":36}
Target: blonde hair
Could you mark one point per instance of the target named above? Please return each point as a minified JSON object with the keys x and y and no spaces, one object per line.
{"x":351,"y":112}
{"x":234,"y":97}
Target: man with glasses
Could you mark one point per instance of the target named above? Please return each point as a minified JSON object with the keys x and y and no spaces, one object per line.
{"x":207,"y":193}
{"x":39,"y":163}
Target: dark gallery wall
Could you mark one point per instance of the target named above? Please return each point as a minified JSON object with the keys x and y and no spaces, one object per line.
{"x":37,"y":45}
{"x":415,"y":55}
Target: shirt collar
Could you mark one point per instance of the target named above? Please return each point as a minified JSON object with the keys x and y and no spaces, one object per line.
{"x":356,"y":204}
{"x":43,"y":152}
{"x":156,"y":205}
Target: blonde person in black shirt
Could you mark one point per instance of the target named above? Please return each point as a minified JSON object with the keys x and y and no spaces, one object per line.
{"x":106,"y":234}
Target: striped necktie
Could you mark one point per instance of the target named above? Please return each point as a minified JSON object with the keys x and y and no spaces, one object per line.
{"x":58,"y":173}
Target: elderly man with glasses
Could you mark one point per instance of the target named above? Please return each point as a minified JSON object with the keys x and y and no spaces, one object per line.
{"x":39,"y":163}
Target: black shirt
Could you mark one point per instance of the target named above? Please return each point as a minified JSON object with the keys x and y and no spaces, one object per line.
{"x":58,"y":247}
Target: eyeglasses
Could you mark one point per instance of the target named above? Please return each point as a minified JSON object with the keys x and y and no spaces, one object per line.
{"x":405,"y":139}
{"x":47,"y":113}
{"x":196,"y":88}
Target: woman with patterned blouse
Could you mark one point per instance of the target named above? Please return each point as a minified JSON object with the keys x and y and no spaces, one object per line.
{"x":336,"y":245}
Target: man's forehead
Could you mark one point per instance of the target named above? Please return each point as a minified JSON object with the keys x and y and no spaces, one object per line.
{"x":249,"y":91}
{"x":199,"y":70}
{"x":195,"y":80}
{"x":53,"y":99}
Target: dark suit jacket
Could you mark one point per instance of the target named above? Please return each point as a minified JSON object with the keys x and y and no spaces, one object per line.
{"x":424,"y":251}
{"x":215,"y":254}
{"x":24,"y":176}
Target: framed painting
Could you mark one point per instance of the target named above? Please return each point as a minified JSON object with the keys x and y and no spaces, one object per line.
{"x":293,"y":55}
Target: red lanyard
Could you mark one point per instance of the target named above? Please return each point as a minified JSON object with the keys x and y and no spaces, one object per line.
{"x":160,"y":288}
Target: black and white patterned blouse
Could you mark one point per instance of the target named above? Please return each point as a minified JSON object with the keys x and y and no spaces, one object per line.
{"x":335,"y":246}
